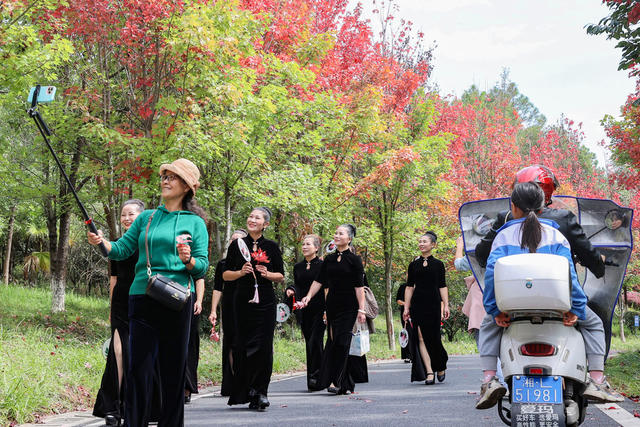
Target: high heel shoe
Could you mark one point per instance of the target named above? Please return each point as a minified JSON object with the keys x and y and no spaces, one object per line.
{"x":442,"y":377}
{"x":432,"y":380}
{"x":263,"y":402}
{"x":111,"y":421}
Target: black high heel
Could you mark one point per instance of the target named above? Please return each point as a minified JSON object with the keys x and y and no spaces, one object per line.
{"x":432,"y":380}
{"x":442,"y":377}
{"x":263,"y":402}
{"x":111,"y":421}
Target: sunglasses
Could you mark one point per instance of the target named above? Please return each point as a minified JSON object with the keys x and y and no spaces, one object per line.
{"x":168,"y":178}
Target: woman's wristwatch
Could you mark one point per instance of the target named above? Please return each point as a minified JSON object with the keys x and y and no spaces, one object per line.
{"x":187,"y":261}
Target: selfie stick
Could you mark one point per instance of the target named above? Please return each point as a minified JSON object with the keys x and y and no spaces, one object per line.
{"x":44,"y":131}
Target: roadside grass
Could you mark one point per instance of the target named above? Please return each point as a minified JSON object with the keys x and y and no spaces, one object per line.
{"x":622,"y":369}
{"x":622,"y":372}
{"x":48,"y":363}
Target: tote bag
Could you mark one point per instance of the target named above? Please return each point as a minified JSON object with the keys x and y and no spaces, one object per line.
{"x":359,"y":342}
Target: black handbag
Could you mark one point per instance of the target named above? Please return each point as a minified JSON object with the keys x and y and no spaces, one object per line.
{"x":162,"y":289}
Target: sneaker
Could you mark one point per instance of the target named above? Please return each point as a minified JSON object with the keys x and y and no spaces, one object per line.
{"x":490,"y":393}
{"x":602,"y":392}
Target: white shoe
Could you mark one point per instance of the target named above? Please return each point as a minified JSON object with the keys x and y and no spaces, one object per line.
{"x":602,"y":392}
{"x":490,"y":393}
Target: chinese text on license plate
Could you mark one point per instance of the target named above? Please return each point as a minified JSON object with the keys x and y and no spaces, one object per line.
{"x":537,"y":389}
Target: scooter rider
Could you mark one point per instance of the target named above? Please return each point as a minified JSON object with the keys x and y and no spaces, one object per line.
{"x":525,"y":233}
{"x":581,"y":249}
{"x":568,"y":225}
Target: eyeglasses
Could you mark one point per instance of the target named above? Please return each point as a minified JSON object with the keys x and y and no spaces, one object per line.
{"x":168,"y":178}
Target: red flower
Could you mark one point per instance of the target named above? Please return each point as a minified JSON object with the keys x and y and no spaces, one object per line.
{"x":260,"y":256}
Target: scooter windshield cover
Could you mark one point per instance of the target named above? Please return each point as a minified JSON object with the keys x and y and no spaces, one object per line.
{"x":606,"y":225}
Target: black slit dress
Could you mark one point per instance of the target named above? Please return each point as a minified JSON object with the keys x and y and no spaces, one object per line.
{"x":425,"y":314}
{"x":228,"y":324}
{"x":311,"y":321}
{"x":340,"y":278}
{"x":254,"y":323}
{"x":110,"y":399}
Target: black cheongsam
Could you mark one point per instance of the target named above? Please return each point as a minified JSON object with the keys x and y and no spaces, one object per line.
{"x":110,"y":398}
{"x":426,"y":314}
{"x":341,"y":278}
{"x":311,"y":321}
{"x":254,"y":323}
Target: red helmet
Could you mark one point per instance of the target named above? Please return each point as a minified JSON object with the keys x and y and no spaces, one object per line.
{"x":540,"y":175}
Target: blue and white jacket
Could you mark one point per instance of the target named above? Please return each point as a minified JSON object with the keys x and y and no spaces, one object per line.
{"x":507,"y":242}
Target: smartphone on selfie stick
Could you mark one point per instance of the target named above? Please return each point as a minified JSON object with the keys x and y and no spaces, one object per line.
{"x":45,"y":94}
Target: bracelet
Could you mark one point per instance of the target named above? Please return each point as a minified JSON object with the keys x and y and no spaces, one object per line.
{"x":362,"y":311}
{"x":187,"y":261}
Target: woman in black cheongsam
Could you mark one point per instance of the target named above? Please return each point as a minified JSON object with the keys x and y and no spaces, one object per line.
{"x":225,"y":292}
{"x":342,"y":275}
{"x":311,"y":318}
{"x":110,"y":401}
{"x":255,"y":311}
{"x":427,"y":304}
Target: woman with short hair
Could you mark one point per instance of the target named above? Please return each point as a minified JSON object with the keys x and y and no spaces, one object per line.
{"x":110,"y":400}
{"x":255,"y":310}
{"x":311,"y":318}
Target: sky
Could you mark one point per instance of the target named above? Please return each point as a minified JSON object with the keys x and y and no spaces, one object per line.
{"x":543,"y":43}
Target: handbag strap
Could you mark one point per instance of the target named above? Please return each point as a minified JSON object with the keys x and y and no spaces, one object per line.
{"x":146,"y":244}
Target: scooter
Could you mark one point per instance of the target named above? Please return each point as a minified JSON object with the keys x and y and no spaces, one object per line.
{"x":544,"y":362}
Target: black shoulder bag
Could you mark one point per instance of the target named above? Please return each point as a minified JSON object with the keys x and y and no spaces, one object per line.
{"x":162,"y":289}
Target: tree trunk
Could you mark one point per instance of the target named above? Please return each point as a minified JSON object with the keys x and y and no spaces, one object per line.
{"x":59,"y":277}
{"x":388,"y":311}
{"x":49,"y":207}
{"x":214,"y":240}
{"x":7,"y":255}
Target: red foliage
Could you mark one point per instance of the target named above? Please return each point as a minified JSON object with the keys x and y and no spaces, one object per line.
{"x":384,"y":172}
{"x":356,"y":61}
{"x":484,"y":155}
{"x":558,"y":149}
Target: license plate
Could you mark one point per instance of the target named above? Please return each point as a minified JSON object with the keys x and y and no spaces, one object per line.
{"x":537,"y":389}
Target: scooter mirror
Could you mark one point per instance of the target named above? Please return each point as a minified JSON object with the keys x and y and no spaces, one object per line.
{"x":482,"y":224}
{"x":614,"y":219}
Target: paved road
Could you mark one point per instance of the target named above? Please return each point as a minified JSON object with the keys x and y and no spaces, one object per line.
{"x":389,"y":399}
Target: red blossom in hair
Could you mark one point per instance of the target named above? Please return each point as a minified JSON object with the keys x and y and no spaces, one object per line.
{"x":260,"y":256}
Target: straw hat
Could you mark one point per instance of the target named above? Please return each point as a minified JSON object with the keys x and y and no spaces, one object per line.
{"x":186,"y":170}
